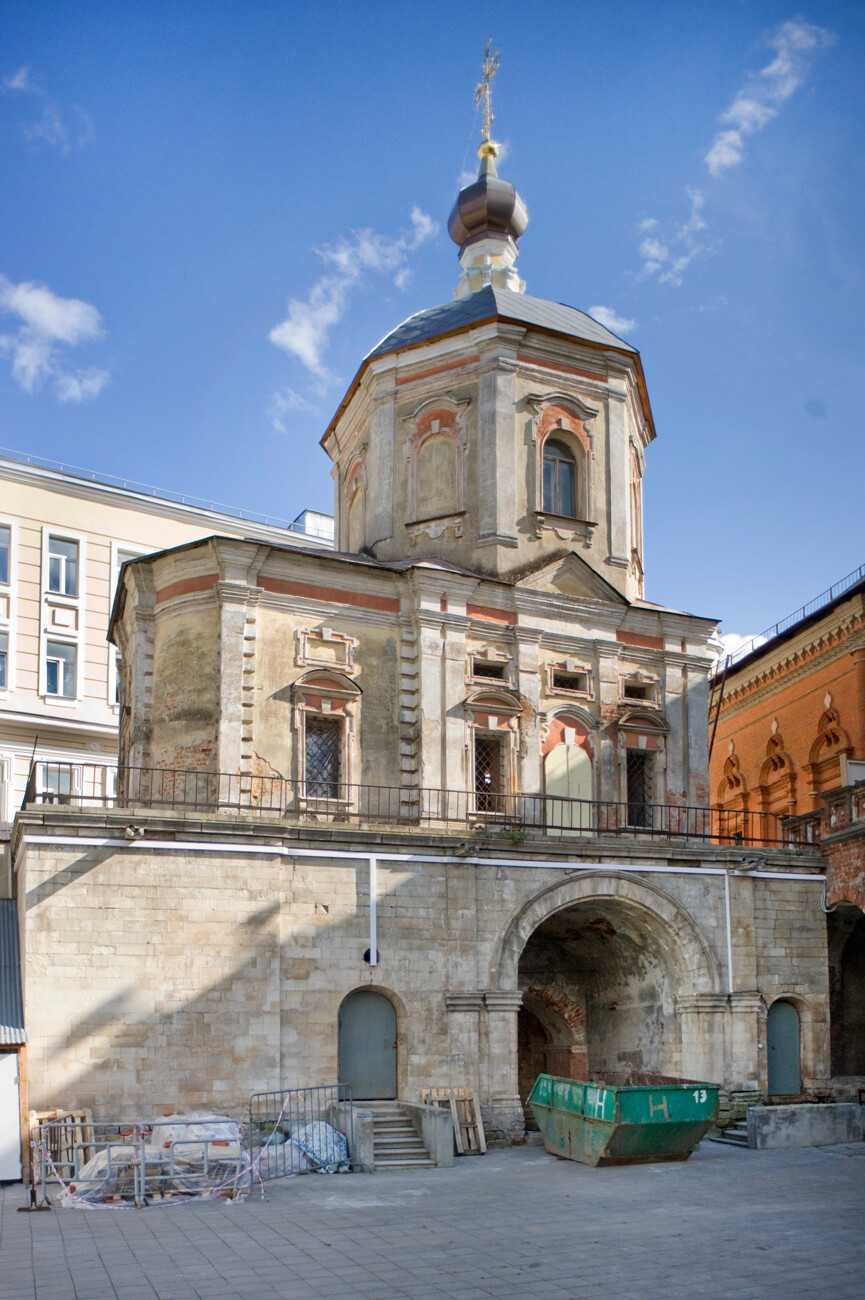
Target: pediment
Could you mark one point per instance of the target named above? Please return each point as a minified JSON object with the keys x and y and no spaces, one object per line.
{"x":569,"y":575}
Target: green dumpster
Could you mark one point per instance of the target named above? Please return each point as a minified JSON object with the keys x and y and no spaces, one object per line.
{"x":604,"y":1125}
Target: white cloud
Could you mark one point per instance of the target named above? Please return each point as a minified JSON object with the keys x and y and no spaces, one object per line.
{"x":57,"y":129}
{"x":668,"y":257}
{"x":81,"y":385}
{"x":19,"y":80}
{"x":607,"y":316}
{"x":796,"y":44}
{"x":49,"y":324}
{"x":283,"y":401}
{"x":305,"y":332}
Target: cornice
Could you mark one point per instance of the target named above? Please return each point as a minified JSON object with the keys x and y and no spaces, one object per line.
{"x":831,"y":646}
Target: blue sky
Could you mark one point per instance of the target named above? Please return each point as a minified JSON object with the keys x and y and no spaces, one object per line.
{"x":211,"y":211}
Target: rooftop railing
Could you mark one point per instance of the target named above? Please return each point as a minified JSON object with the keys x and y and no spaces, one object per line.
{"x":318,"y":802}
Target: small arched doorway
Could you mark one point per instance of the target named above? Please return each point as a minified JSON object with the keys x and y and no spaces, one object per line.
{"x":367,"y":1046}
{"x":784,"y":1051}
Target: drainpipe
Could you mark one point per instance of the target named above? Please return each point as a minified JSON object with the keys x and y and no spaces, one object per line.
{"x":729,"y":933}
{"x":373,"y":911}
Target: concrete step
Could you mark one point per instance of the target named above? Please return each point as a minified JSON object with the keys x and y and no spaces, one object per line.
{"x":734,"y":1136}
{"x":394,"y":1166}
{"x":396,"y":1142}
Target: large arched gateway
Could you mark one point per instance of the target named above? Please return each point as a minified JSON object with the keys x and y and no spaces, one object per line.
{"x":602,"y":962}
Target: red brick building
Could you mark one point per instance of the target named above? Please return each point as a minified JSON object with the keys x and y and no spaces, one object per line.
{"x":787,"y":720}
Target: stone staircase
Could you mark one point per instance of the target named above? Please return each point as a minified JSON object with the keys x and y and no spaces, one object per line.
{"x":396,"y":1144}
{"x":735,"y":1135}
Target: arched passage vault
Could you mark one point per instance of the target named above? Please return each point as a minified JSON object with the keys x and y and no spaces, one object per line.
{"x":621,"y":962}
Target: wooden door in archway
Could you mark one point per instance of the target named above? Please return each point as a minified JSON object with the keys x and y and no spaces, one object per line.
{"x":568,"y":785}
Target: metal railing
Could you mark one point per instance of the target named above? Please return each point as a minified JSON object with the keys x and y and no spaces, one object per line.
{"x":313,"y":802}
{"x":160,"y":494}
{"x":783,"y":625}
{"x":300,"y":1130}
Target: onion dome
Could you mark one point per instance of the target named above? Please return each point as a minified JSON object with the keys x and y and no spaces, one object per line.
{"x":489,"y":208}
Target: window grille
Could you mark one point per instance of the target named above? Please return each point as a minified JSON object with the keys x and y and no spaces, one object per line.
{"x":489,"y":762}
{"x":489,"y":668}
{"x":323,"y":740}
{"x":639,"y":777}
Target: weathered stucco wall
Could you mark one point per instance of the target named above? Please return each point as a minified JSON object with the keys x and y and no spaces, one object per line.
{"x":185,"y":691}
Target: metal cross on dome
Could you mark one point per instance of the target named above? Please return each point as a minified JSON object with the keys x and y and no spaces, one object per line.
{"x":491,"y":64}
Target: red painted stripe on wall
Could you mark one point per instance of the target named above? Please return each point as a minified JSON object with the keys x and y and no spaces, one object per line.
{"x":488,"y":615}
{"x":185,"y":585}
{"x":634,"y":638}
{"x":334,"y":595}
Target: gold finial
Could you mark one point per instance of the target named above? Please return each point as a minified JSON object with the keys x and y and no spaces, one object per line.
{"x":491,"y":64}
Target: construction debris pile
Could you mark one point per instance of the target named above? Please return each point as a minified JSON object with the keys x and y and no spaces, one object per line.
{"x":314,"y":1147}
{"x":178,"y":1156}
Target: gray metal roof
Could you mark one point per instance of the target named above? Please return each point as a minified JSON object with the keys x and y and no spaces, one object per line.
{"x":489,"y":302}
{"x":11,"y":1002}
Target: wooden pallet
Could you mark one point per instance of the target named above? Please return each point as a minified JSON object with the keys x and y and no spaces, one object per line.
{"x":466,"y":1115}
{"x":77,"y":1131}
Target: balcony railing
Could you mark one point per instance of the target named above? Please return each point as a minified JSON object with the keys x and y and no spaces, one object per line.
{"x":312,"y":802}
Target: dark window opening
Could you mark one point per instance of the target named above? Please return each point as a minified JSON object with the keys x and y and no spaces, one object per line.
{"x":638,"y":691}
{"x":639,"y":777}
{"x":560,"y":480}
{"x":488,"y":668}
{"x":323,"y":741}
{"x":489,"y":772}
{"x":563,"y":681}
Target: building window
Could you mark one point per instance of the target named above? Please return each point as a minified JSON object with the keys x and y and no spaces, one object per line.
{"x":569,"y":683}
{"x":640,"y":764}
{"x":62,"y":566}
{"x":60,"y":669}
{"x":489,"y":771}
{"x":322,"y":757}
{"x":638,"y":690}
{"x":490,"y":669}
{"x":560,"y":479}
{"x":4,"y":660}
{"x":5,"y":551}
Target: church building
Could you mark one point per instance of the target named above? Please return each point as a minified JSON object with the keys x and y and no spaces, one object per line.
{"x":433,"y":809}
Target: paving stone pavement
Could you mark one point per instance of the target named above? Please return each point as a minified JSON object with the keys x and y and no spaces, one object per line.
{"x":729,"y":1224}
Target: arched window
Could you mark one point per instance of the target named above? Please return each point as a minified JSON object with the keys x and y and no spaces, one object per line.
{"x":560,"y":479}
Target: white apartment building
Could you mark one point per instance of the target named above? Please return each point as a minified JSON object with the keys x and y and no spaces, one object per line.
{"x":64,"y":536}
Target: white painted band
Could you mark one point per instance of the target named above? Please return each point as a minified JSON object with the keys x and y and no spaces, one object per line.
{"x":284,"y":851}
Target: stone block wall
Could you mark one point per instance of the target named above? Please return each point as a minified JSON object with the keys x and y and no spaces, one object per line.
{"x":202,"y":963}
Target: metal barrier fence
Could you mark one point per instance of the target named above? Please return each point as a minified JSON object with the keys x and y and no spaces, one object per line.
{"x":114,"y":1162}
{"x":300,"y":1130}
{"x":173,"y":789}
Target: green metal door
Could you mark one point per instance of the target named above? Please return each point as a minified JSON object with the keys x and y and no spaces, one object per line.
{"x":367,"y":1046}
{"x":782,"y":1038}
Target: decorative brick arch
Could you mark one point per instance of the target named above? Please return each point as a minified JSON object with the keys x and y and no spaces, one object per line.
{"x":666,"y":919}
{"x":733,"y":790}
